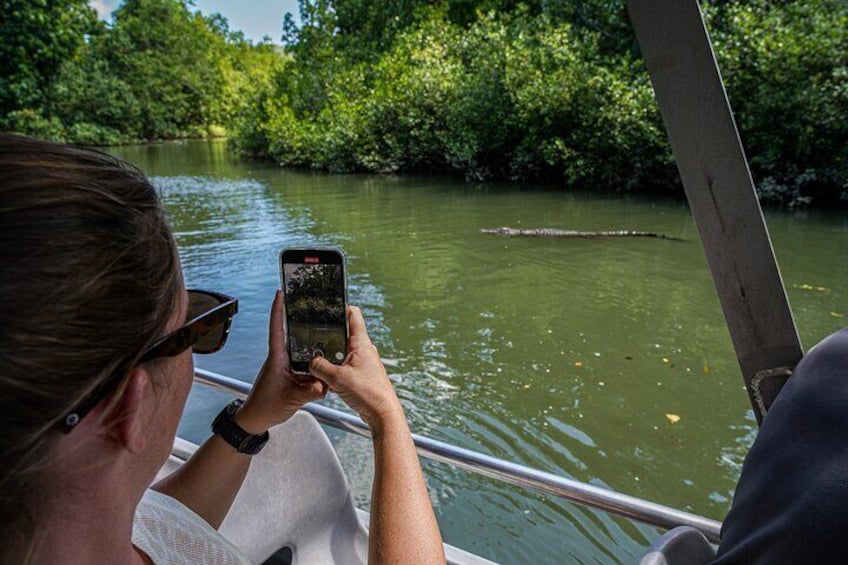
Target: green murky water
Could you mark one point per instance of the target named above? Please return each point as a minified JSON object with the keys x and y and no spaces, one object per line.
{"x":566,"y":355}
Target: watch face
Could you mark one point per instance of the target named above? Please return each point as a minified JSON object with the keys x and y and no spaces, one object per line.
{"x":233,"y":406}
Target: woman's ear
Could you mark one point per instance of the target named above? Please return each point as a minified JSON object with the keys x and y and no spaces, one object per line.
{"x":132,"y":411}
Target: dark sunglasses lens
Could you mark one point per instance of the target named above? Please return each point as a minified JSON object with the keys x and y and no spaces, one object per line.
{"x":199,"y":303}
{"x":211,"y":332}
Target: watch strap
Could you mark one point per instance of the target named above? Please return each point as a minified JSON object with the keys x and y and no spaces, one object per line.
{"x":244,"y":442}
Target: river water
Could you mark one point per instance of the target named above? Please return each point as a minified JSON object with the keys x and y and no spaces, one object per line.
{"x":607,"y":361}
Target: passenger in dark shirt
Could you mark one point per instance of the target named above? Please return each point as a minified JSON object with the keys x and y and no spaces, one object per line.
{"x":791,"y":504}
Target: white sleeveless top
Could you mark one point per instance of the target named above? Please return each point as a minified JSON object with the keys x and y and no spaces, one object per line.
{"x":171,"y":534}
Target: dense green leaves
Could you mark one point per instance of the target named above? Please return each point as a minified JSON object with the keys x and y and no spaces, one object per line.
{"x":538,"y":89}
{"x":159,"y":71}
{"x":786,"y":65}
{"x":510,"y":96}
{"x":38,"y":37}
{"x":550,"y":90}
{"x":167,"y":57}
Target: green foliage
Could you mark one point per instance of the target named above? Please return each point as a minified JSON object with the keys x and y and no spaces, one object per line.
{"x":95,"y":103}
{"x":315,"y":294}
{"x":549,"y":90}
{"x":512,"y":96}
{"x":592,"y":120}
{"x":159,"y":71}
{"x":533,"y":89}
{"x":160,"y":49}
{"x":38,"y":37}
{"x":787,"y":75}
{"x":35,"y":123}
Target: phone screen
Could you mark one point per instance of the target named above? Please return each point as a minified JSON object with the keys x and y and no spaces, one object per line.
{"x":316,"y":321}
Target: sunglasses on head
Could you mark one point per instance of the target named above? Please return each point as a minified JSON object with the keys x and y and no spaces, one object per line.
{"x":205,"y":331}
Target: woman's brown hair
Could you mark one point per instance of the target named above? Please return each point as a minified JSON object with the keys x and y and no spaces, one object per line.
{"x":88,"y":279}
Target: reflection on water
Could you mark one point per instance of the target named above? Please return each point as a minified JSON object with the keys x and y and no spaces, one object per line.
{"x":565,"y":355}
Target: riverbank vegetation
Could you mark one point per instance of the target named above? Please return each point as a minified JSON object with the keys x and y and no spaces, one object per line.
{"x":158,"y":71}
{"x":554,"y":91}
{"x":485,"y":89}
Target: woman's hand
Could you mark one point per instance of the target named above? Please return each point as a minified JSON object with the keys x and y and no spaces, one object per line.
{"x":361,"y":380}
{"x":403,"y":528}
{"x":278,"y":392}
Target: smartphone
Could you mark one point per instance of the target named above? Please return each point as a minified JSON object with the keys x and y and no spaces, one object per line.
{"x":314,"y":283}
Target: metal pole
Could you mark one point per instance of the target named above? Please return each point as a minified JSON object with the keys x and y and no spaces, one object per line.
{"x":508,"y":472}
{"x":718,"y":184}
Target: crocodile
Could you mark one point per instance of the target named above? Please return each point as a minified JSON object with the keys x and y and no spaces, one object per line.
{"x":554,"y":232}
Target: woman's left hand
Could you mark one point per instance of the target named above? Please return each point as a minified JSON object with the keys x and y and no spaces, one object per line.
{"x":277,"y":393}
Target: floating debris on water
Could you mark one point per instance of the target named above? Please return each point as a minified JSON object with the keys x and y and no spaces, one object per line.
{"x":578,"y":363}
{"x":673,"y":418}
{"x":810,"y":287}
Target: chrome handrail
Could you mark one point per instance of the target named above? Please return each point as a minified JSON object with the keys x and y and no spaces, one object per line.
{"x":481,"y":464}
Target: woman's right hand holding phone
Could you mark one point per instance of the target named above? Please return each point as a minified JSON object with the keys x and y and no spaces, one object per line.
{"x":403,"y":528}
{"x":361,"y":380}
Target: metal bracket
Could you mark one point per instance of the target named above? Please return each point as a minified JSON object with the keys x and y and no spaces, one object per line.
{"x":765,"y":385}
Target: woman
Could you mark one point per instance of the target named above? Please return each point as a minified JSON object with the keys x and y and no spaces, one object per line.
{"x":96,"y":339}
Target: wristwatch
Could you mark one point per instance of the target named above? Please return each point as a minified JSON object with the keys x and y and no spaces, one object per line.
{"x":224,"y":426}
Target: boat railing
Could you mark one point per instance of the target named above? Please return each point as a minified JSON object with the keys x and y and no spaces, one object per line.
{"x":478,"y":463}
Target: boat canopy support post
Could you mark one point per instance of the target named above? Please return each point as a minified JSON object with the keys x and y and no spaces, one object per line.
{"x":695,"y":109}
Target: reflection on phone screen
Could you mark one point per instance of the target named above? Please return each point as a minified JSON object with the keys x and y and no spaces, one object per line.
{"x":315,"y":311}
